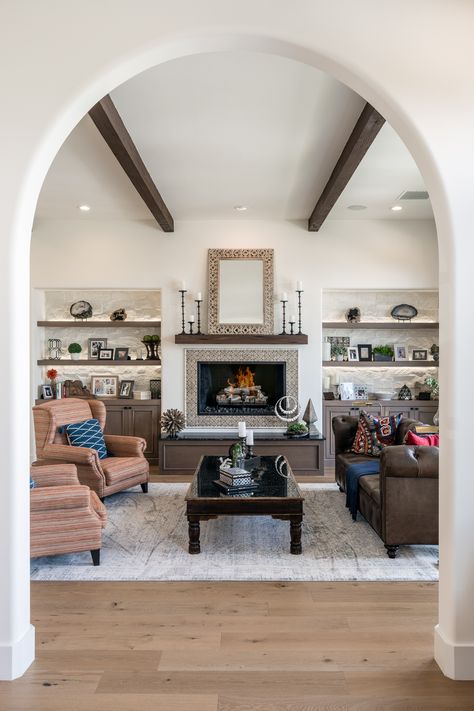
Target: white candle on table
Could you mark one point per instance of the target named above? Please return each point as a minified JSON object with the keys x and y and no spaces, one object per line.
{"x":284,"y":296}
{"x":242,"y":429}
{"x":198,"y":296}
{"x":191,"y":318}
{"x":249,"y":438}
{"x":292,"y":319}
{"x":183,"y":286}
{"x":299,"y":286}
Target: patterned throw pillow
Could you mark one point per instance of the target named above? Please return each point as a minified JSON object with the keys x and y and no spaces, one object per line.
{"x":87,"y":434}
{"x":375,"y":433}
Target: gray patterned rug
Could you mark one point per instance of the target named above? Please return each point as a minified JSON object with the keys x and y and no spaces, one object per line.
{"x":146,"y":538}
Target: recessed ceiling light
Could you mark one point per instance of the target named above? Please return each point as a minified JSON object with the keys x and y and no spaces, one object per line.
{"x":396,"y":208}
{"x":357,"y":207}
{"x":240,"y":208}
{"x":84,"y":208}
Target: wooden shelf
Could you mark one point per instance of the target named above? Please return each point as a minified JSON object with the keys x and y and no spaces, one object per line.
{"x":380,"y":364}
{"x":99,"y":324}
{"x":242,"y":339}
{"x":100,"y":363}
{"x":392,"y":325}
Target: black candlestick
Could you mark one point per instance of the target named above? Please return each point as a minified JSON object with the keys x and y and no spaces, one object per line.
{"x":191,"y":324}
{"x":182,"y":292}
{"x":198,"y":306}
{"x":283,"y":305}
{"x":292,"y":327}
{"x":299,"y":309}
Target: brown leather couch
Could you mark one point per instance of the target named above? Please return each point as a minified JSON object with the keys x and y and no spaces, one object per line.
{"x":401,"y":502}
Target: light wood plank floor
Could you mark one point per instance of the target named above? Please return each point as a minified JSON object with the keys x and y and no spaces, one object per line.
{"x":240,"y":646}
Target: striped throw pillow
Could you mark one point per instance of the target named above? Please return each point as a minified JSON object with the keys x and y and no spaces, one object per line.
{"x":87,"y":434}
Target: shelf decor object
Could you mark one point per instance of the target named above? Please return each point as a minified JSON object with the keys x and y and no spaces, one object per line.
{"x":54,"y":348}
{"x":172,"y":422}
{"x":81,"y":310}
{"x":284,"y":301}
{"x":299,"y":291}
{"x":182,"y":291}
{"x":198,"y":302}
{"x":404,"y":312}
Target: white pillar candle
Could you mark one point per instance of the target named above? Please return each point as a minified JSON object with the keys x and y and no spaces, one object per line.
{"x":249,"y":438}
{"x":191,"y":318}
{"x":299,"y":286}
{"x":292,"y":319}
{"x":183,"y":286}
{"x":198,"y":296}
{"x":242,"y":429}
{"x":284,"y":296}
{"x":327,"y":350}
{"x":327,"y":382}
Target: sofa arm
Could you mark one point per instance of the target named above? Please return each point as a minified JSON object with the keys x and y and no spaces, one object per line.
{"x":344,"y":428}
{"x":120,"y":446}
{"x":409,"y":462}
{"x":54,"y":474}
{"x":68,"y":453}
{"x":53,"y":498}
{"x":404,"y":427}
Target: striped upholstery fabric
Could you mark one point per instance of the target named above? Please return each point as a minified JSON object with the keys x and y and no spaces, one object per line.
{"x":51,"y":445}
{"x":65,"y":517}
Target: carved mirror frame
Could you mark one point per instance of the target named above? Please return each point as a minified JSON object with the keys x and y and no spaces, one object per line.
{"x":214,"y":258}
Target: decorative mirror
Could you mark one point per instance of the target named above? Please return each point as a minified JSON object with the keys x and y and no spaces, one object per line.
{"x":241,"y":291}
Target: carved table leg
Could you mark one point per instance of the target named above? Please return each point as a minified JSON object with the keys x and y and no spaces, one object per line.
{"x":295,"y":533}
{"x":194,"y":531}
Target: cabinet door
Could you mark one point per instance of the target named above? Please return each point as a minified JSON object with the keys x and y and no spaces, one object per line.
{"x":403,"y":406}
{"x":425,"y":413}
{"x":143,"y":422}
{"x":116,"y":422}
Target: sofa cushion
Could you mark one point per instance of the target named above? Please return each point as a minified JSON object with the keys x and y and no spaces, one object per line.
{"x":371,"y":486}
{"x":375,"y":433}
{"x":87,"y":434}
{"x":121,"y":468}
{"x":422,"y":440}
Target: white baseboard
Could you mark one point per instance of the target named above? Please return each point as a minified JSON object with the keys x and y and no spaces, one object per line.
{"x":15,"y":659}
{"x":456,"y":661}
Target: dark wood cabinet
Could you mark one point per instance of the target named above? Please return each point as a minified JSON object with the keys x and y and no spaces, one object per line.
{"x":138,"y":419}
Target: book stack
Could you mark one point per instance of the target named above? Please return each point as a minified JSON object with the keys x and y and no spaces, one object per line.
{"x":235,"y":480}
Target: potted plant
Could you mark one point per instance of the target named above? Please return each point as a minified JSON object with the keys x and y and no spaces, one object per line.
{"x":383,"y":353}
{"x":433,"y":384}
{"x":75,"y":350}
{"x":339,"y":351}
{"x":152,"y":343}
{"x":297,"y":429}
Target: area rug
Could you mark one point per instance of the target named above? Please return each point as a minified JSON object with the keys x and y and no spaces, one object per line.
{"x":146,"y":538}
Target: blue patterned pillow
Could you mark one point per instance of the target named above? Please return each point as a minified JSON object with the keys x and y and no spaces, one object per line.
{"x":87,"y":434}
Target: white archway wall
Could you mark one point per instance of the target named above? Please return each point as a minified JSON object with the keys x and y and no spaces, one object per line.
{"x":411,"y":61}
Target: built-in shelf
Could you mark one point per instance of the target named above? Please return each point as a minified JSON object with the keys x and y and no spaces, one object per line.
{"x":298,"y":339}
{"x":380,"y":364}
{"x":95,"y":361}
{"x":99,"y":324}
{"x":392,"y":325}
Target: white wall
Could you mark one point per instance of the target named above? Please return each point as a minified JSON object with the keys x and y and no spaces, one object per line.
{"x":361,"y":254}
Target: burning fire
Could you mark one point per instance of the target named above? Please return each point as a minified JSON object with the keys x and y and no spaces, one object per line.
{"x":244,"y":378}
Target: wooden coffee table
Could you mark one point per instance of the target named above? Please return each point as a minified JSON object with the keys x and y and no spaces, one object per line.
{"x":277,"y":495}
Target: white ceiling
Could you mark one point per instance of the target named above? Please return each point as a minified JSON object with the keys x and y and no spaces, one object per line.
{"x":227,"y":129}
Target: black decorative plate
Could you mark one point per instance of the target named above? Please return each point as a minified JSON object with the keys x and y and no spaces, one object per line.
{"x":81,"y":309}
{"x":404,"y":312}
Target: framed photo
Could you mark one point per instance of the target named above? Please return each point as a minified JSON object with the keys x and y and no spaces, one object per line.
{"x":365,"y":351}
{"x":95,"y":344}
{"x":47,"y":392}
{"x":346,"y":391}
{"x":420,"y":354}
{"x":106,"y":353}
{"x":401,"y":352}
{"x":104,"y":385}
{"x":361,"y":392}
{"x":121,"y":354}
{"x":352,"y":353}
{"x":126,"y":388}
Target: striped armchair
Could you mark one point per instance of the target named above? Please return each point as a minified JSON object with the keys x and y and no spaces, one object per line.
{"x":125,"y":468}
{"x":65,"y":517}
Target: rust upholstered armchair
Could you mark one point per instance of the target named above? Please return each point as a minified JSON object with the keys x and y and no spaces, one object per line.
{"x":65,"y":517}
{"x":125,"y":467}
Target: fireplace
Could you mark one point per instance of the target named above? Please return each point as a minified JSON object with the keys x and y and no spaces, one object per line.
{"x":224,"y":386}
{"x":240,"y":388}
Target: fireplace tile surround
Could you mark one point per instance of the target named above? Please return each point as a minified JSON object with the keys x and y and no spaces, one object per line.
{"x":194,"y":357}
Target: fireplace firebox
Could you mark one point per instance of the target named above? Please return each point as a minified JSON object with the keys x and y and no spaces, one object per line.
{"x":240,"y":388}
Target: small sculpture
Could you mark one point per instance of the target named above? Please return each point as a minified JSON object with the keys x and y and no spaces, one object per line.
{"x":310,"y":417}
{"x":74,"y":388}
{"x":172,"y":421}
{"x":118,"y":315}
{"x":353,"y":315}
{"x":81,"y":310}
{"x":404,"y":393}
{"x":293,"y":412}
{"x":434,"y":350}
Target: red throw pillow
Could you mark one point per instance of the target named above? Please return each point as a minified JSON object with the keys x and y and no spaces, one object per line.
{"x":422,"y":440}
{"x":375,"y":433}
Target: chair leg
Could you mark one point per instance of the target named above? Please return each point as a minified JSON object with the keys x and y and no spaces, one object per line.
{"x":96,"y":556}
{"x":392,"y":551}
{"x":144,"y":487}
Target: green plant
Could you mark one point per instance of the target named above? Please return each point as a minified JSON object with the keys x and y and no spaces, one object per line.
{"x":74,"y":348}
{"x":297,"y":428}
{"x":338,"y":349}
{"x":433,"y":384}
{"x":151,"y":339}
{"x":384,"y":350}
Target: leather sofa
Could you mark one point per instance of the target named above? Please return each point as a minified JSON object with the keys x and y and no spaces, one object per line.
{"x":401,"y":501}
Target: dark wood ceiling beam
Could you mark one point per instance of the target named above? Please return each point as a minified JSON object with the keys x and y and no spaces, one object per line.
{"x":367,"y":127}
{"x":108,"y":121}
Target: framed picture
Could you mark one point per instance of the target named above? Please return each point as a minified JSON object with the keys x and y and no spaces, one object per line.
{"x":352,"y":353}
{"x":106,"y":353}
{"x":104,"y":385}
{"x":329,"y":395}
{"x":126,"y":388}
{"x":121,"y":354}
{"x":420,"y":354}
{"x":401,"y":352}
{"x":361,"y":392}
{"x":47,"y":392}
{"x":346,"y":391}
{"x":365,"y":351}
{"x":95,"y":344}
